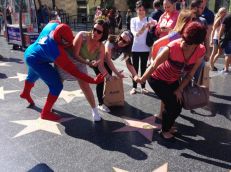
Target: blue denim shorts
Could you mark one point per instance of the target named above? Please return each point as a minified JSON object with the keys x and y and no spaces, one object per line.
{"x":215,"y":42}
{"x":227,"y":49}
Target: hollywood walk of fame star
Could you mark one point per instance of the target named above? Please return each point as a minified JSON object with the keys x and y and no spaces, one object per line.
{"x":40,"y":125}
{"x":163,"y":168}
{"x":118,"y":170}
{"x":20,"y":77}
{"x":68,"y":96}
{"x":5,"y":64}
{"x":144,"y":127}
{"x":3,"y":92}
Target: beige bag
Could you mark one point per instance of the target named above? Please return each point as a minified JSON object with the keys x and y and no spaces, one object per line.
{"x":114,"y":92}
{"x":204,"y":76}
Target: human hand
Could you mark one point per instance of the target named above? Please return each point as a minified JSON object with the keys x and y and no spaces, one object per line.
{"x":179,"y":96}
{"x":211,"y":43}
{"x":121,"y":75}
{"x":153,"y":22}
{"x":93,"y":63}
{"x":206,"y":58}
{"x":99,"y":78}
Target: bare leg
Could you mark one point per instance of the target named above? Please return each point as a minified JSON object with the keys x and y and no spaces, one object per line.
{"x":227,"y":62}
{"x":85,"y":87}
{"x":219,"y":52}
{"x":212,"y":57}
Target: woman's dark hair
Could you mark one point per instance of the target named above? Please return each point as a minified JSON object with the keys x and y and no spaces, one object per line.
{"x":194,"y":33}
{"x":127,"y":48}
{"x":105,"y":29}
{"x":172,"y":1}
{"x":195,"y":4}
{"x":141,"y":4}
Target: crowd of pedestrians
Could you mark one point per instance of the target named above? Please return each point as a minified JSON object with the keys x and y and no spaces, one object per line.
{"x":183,"y":44}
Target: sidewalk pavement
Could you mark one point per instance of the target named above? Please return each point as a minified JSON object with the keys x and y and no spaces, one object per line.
{"x":127,"y":138}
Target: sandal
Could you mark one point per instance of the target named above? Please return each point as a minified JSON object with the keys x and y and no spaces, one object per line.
{"x":171,"y":139}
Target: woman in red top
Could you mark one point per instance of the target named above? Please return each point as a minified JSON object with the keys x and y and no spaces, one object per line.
{"x":167,"y":20}
{"x":181,"y":55}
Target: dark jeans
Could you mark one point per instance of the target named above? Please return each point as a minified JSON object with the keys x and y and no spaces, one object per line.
{"x":166,"y":93}
{"x":136,"y":58}
{"x":100,"y":87}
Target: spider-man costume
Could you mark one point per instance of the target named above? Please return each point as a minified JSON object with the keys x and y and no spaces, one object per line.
{"x":49,"y":48}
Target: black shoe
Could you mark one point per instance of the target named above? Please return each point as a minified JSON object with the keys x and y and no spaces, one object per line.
{"x":214,"y":69}
{"x":171,"y":139}
{"x":158,"y":120}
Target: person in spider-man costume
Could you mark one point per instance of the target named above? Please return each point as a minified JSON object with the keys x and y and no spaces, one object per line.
{"x":47,"y":49}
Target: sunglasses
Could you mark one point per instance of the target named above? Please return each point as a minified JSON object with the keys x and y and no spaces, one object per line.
{"x":124,"y":41}
{"x":97,"y":30}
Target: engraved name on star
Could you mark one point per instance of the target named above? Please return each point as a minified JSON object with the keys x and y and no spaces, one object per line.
{"x":39,"y":125}
{"x":20,"y":77}
{"x":68,"y":96}
{"x":3,"y":92}
{"x":144,"y":127}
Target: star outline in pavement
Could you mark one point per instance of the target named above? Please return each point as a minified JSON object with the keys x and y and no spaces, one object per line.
{"x":20,"y":77}
{"x":5,"y":64}
{"x":39,"y":125}
{"x":68,"y":96}
{"x":162,"y":168}
{"x":145,"y":127}
{"x":3,"y":92}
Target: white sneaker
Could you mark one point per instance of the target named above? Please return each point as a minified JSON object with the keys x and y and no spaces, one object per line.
{"x":133,"y":91}
{"x":96,"y":116}
{"x":224,"y":72}
{"x":103,"y":108}
{"x":144,"y":91}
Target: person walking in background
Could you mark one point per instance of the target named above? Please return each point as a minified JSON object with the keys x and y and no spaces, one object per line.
{"x":111,"y":21}
{"x":8,"y":13}
{"x":98,"y":12}
{"x":119,"y":23}
{"x":157,"y":6}
{"x":1,"y":20}
{"x":140,"y":51}
{"x":217,"y":51}
{"x":226,"y":32}
{"x":128,"y":18}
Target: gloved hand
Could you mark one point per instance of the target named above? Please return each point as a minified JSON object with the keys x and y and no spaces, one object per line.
{"x":99,"y":78}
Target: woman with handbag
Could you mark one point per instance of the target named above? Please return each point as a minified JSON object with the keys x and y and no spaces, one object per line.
{"x":182,"y":55}
{"x":185,"y":16}
{"x":140,"y":51}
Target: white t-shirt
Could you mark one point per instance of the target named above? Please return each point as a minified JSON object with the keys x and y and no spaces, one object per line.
{"x":139,"y":43}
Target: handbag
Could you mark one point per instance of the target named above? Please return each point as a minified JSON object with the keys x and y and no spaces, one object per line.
{"x":195,"y":96}
{"x":151,"y":36}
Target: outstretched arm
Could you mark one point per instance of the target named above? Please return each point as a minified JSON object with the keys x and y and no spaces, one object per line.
{"x":63,"y":62}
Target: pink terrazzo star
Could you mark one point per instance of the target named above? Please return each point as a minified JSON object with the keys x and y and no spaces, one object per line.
{"x":144,"y":127}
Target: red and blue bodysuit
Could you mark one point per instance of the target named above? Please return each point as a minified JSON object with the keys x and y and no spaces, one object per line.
{"x":47,"y":49}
